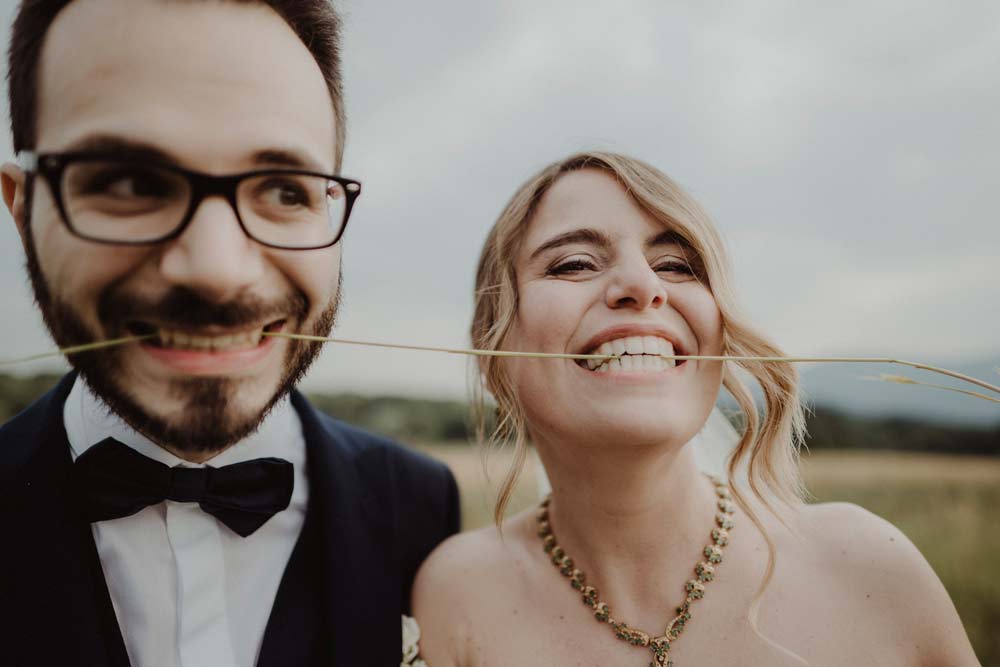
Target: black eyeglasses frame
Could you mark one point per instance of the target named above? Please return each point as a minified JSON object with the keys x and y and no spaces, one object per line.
{"x":52,"y":166}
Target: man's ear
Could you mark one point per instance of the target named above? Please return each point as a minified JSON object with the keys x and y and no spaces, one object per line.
{"x":13,"y":194}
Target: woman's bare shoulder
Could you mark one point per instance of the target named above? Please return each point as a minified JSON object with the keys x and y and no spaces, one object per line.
{"x":462,"y":561}
{"x":869,"y":555}
{"x":846,"y":540}
{"x":455,"y":583}
{"x":850,"y":535}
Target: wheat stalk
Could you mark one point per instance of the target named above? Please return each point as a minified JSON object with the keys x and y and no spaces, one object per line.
{"x":604,"y":357}
{"x":76,"y":349}
{"x":902,"y":379}
{"x":898,"y":379}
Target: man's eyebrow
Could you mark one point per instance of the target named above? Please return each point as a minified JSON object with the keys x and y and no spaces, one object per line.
{"x":122,"y":147}
{"x":586,"y":235}
{"x":132,"y":149}
{"x":280,"y":157}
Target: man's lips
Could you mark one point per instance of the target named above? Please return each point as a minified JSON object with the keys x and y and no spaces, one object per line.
{"x":204,"y":339}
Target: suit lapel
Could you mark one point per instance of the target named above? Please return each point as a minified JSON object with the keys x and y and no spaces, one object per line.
{"x":361,"y":583}
{"x":60,"y":589}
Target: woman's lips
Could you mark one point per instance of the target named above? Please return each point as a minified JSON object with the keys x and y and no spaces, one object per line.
{"x":632,"y":354}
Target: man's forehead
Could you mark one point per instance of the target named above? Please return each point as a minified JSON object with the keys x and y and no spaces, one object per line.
{"x":211,"y":80}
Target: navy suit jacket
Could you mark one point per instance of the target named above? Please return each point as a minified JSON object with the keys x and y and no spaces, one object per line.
{"x":377,"y":510}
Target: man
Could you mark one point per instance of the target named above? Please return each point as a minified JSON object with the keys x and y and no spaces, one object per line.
{"x":175,"y":501}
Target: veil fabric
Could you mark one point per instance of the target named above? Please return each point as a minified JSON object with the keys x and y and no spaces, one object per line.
{"x":712,"y":446}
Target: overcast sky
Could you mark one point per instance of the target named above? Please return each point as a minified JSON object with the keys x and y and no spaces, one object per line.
{"x":847,"y":151}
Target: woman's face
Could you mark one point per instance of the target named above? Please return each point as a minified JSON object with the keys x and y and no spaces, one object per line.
{"x":596,"y":274}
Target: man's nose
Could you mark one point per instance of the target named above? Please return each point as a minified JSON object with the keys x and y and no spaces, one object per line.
{"x":213,"y":256}
{"x":634,"y":284}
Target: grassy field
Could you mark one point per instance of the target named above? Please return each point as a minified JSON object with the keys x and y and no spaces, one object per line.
{"x":948,"y":506}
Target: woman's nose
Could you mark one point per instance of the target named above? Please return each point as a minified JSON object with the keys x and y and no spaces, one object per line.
{"x":637,"y":286}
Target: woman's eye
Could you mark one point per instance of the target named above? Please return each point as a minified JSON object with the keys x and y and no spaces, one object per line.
{"x":674,"y":269}
{"x":570,"y":266}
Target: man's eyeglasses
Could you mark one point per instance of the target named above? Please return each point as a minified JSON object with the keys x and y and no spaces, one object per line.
{"x":130,"y":202}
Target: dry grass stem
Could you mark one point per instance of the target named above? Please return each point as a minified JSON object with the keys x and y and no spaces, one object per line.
{"x":75,"y":349}
{"x":902,"y":379}
{"x":552,"y":355}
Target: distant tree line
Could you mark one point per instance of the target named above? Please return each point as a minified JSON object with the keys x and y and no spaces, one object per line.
{"x":829,"y":429}
{"x":425,"y":420}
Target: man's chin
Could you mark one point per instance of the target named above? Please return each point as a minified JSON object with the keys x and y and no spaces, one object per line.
{"x":191,"y":414}
{"x":204,"y":415}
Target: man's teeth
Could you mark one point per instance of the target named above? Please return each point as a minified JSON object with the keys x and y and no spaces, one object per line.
{"x":635,"y":353}
{"x":237,"y":341}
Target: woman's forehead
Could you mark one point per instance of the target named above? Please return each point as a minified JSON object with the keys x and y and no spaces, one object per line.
{"x":590,"y":199}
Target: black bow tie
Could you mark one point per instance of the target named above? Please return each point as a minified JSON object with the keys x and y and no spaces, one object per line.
{"x":115,"y":481}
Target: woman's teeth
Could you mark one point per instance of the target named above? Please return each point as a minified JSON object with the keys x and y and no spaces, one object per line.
{"x":634,"y":353}
{"x":184,"y":341}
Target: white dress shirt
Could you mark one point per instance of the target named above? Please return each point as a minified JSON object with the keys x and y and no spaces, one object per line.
{"x":187,"y":590}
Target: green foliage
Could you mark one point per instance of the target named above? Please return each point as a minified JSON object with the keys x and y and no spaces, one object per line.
{"x":413,"y":420}
{"x":17,"y":393}
{"x":834,"y":430}
{"x":407,"y":419}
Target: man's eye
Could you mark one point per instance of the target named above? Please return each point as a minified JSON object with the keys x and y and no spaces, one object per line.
{"x":284,"y":193}
{"x":128,"y":184}
{"x":291,"y":196}
{"x":570,"y":266}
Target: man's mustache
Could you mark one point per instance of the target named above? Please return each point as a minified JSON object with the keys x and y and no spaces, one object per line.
{"x":184,"y":308}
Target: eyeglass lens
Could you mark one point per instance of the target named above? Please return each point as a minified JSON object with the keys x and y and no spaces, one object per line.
{"x":124,"y":202}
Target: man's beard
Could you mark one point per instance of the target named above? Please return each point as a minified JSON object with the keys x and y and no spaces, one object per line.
{"x":209,"y":423}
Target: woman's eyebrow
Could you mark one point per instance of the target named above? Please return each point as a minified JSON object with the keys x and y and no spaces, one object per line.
{"x":668,"y":237}
{"x":586,"y":235}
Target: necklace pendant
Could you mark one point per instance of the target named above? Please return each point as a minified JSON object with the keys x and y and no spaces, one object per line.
{"x":661,"y":653}
{"x":661,"y":660}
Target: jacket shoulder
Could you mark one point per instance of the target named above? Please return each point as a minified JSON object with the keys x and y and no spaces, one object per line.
{"x":21,"y":436}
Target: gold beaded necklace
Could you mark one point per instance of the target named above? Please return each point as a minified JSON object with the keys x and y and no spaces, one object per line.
{"x":694,"y":588}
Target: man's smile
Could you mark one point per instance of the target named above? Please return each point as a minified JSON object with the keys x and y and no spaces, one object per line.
{"x":206,"y":339}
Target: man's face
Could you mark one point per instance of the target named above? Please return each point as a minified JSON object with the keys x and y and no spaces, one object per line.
{"x":219,"y":87}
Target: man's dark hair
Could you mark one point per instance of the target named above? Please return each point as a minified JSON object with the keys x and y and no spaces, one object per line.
{"x":314,"y":21}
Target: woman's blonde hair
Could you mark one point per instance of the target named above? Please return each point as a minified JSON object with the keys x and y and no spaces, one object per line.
{"x":770,"y":442}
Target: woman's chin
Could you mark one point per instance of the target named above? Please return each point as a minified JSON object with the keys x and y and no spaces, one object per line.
{"x":630,"y":429}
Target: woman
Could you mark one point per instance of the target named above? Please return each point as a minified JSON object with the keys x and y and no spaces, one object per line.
{"x":602,"y":254}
